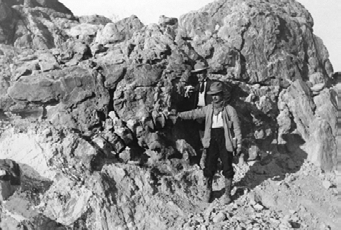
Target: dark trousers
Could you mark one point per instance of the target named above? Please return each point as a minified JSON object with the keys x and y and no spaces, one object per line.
{"x":216,"y":150}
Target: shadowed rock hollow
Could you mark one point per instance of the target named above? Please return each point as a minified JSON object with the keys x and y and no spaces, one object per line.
{"x":84,"y":100}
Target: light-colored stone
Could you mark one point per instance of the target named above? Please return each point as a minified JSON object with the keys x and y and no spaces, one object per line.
{"x":326,"y":184}
{"x":33,"y":158}
{"x":258,"y":207}
{"x":65,"y":202}
{"x":219,"y":217}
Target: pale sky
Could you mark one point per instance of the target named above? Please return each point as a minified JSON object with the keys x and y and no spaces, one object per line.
{"x":326,"y":14}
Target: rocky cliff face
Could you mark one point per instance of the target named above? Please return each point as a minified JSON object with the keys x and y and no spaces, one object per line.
{"x":84,"y":104}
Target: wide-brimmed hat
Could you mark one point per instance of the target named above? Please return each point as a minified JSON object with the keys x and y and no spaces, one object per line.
{"x":198,"y":67}
{"x":216,"y":87}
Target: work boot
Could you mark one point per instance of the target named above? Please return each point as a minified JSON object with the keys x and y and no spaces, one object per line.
{"x":227,"y":195}
{"x":208,"y":189}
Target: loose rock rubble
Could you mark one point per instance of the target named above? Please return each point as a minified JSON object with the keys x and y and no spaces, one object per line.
{"x":167,"y":193}
{"x":84,"y":106}
{"x":293,"y":202}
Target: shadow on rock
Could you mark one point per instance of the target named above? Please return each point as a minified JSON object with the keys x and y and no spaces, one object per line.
{"x":31,"y":180}
{"x":287,"y":159}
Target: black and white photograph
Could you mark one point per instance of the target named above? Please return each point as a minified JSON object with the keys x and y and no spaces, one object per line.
{"x":170,"y":115}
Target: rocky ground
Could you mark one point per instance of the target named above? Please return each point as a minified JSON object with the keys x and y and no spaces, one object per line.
{"x":306,"y":199}
{"x":273,"y":192}
{"x":83,"y":112}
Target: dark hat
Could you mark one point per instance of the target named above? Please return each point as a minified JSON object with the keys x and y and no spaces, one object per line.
{"x":216,"y":87}
{"x":198,"y":67}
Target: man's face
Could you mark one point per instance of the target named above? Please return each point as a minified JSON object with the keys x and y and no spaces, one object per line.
{"x":201,"y":75}
{"x":216,"y":98}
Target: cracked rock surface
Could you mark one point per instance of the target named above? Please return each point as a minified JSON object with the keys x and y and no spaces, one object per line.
{"x":83,"y":112}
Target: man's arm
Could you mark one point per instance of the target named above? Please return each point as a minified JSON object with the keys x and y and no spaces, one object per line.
{"x":236,"y":128}
{"x":193,"y":114}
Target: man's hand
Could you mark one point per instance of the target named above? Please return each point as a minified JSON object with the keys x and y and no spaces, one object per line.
{"x":238,"y":151}
{"x":203,"y":159}
{"x":188,"y":89}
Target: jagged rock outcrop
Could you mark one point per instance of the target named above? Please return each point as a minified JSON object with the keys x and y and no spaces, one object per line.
{"x":84,"y":104}
{"x":50,"y":4}
{"x":119,"y":31}
{"x":25,"y":25}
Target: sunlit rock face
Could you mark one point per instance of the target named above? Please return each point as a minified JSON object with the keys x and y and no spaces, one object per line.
{"x":280,"y":71}
{"x":84,"y":105}
{"x":49,"y":4}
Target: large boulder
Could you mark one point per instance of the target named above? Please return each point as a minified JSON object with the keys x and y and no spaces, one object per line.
{"x":89,"y":101}
{"x":94,"y":19}
{"x":52,"y":4}
{"x":43,"y":32}
{"x":119,"y":31}
{"x":70,"y":88}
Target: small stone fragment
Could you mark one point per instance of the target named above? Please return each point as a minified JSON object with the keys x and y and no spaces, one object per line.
{"x":258,"y":207}
{"x":203,"y":227}
{"x":219,"y":217}
{"x":326,"y":184}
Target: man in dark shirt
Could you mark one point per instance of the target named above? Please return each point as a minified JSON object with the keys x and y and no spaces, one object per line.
{"x":200,"y":96}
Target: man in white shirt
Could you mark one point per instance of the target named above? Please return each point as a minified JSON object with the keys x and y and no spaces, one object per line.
{"x":222,"y":127}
